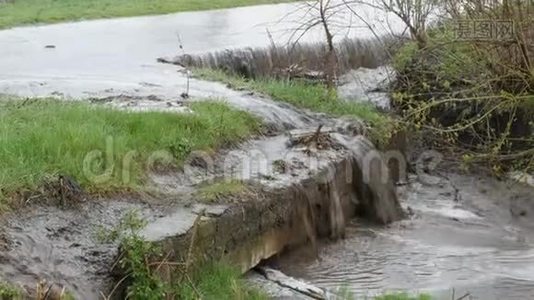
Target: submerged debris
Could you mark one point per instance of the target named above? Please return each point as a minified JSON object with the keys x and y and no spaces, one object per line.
{"x":318,"y":139}
{"x":292,"y":283}
{"x":280,"y":166}
{"x":50,"y":291}
{"x":64,"y":189}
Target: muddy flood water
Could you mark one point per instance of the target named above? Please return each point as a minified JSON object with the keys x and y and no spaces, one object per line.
{"x":465,"y":236}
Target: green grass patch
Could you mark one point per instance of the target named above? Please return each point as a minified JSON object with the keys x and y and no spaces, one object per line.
{"x":104,"y":148}
{"x":221,"y":191}
{"x":10,"y":292}
{"x":218,"y":281}
{"x":212,"y":280}
{"x":19,"y":12}
{"x":405,"y":55}
{"x":314,"y":97}
{"x":403,"y":296}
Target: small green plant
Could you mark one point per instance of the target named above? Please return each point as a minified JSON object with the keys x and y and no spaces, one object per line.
{"x":344,"y":293}
{"x":105,"y":149}
{"x":180,"y":148}
{"x":129,"y":225}
{"x":222,"y":190}
{"x":403,"y":296}
{"x":145,"y":284}
{"x":136,"y":255}
{"x":9,"y":292}
{"x":213,"y":280}
{"x":217,"y":280}
{"x":404,"y":57}
{"x":68,"y":296}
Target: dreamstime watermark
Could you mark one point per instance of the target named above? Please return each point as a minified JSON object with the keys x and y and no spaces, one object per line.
{"x":369,"y":167}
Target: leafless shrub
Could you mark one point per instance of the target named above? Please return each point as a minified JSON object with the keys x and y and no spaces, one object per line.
{"x":322,"y":13}
{"x":415,"y":14}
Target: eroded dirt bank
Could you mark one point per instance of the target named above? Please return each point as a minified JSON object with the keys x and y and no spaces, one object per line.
{"x":298,"y":206}
{"x":319,"y":190}
{"x":60,"y":245}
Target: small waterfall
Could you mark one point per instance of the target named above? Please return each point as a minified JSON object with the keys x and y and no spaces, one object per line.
{"x":358,"y":185}
{"x":307,"y":215}
{"x":372,"y":184}
{"x":287,"y":61}
{"x":337,"y":217}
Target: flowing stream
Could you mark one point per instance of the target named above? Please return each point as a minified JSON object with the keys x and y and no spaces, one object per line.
{"x":466,"y":236}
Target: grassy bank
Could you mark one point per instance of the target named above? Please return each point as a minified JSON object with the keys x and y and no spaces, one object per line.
{"x":309,"y":96}
{"x":103,"y":148}
{"x":9,"y":291}
{"x":403,"y":296}
{"x":223,"y":190}
{"x":219,"y":281}
{"x":18,"y":12}
{"x":192,"y":279}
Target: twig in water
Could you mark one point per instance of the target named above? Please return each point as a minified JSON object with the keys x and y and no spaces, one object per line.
{"x":184,"y":95}
{"x":464,"y":296}
{"x":115,"y":287}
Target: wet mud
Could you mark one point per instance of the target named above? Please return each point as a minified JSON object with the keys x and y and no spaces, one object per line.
{"x":61,"y":246}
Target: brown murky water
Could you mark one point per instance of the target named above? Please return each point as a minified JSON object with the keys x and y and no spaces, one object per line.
{"x":466,"y":235}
